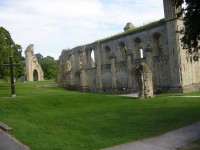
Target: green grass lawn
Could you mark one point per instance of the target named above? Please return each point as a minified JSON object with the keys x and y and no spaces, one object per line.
{"x":57,"y":119}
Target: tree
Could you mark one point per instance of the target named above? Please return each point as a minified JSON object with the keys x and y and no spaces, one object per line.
{"x":9,"y":48}
{"x":49,"y":67}
{"x":39,"y":56}
{"x":191,"y":31}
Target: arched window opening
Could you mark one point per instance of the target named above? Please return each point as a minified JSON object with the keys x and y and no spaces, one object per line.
{"x":158,"y":48}
{"x":122,"y":49}
{"x":107,"y":54}
{"x":35,"y":75}
{"x":139,"y":53}
{"x":92,"y":55}
{"x":92,"y":59}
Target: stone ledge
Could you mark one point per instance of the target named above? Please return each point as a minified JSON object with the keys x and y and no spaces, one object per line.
{"x":48,"y":85}
{"x":4,"y":127}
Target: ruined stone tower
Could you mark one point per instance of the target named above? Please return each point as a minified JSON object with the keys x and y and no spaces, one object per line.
{"x":33,"y":69}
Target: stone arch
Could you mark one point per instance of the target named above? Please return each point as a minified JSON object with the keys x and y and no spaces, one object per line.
{"x":35,"y":75}
{"x":143,"y":76}
{"x":122,"y":50}
{"x":107,"y":54}
{"x":139,"y":52}
{"x":157,"y":44}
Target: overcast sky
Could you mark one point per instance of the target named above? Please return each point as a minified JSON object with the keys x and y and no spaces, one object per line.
{"x":54,"y":25}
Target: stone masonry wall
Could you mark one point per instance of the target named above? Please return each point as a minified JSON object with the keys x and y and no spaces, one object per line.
{"x":157,"y":45}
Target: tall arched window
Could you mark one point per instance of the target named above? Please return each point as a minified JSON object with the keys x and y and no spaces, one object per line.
{"x":107,"y":54}
{"x":157,"y":45}
{"x":35,"y":75}
{"x":90,"y":58}
{"x":122,"y":50}
{"x":80,"y":60}
{"x":139,"y":53}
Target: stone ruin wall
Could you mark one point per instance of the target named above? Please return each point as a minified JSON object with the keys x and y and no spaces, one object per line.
{"x":117,"y":58}
{"x":115,"y":62}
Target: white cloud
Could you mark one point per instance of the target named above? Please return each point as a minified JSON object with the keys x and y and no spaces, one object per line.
{"x":52,"y":25}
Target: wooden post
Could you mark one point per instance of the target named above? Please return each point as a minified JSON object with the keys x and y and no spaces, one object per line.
{"x":12,"y":82}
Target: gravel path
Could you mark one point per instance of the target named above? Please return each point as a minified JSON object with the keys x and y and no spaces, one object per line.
{"x":168,"y":141}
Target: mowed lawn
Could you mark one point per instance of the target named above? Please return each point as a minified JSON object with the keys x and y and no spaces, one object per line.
{"x":58,"y":119}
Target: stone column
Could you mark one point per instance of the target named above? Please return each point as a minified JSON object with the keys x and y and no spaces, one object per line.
{"x":113,"y":72}
{"x":89,"y":59}
{"x":149,"y":57}
{"x":84,"y":80}
{"x":129,"y":68}
{"x":84,"y":74}
{"x":84,"y":59}
{"x":73,"y":69}
{"x":174,"y":48}
{"x":98,"y":68}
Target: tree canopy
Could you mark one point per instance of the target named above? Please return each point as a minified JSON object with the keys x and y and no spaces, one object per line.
{"x":49,"y":67}
{"x":9,"y":48}
{"x":39,"y":56}
{"x":191,"y":17}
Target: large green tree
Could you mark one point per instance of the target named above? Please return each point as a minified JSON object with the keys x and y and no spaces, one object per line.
{"x":49,"y":67}
{"x":9,"y":48}
{"x":191,"y":17}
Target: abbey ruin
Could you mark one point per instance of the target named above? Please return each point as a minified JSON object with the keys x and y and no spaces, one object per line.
{"x":33,"y":70}
{"x":146,"y":59}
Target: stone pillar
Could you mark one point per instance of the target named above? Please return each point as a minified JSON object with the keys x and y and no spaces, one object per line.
{"x":113,"y":72}
{"x":73,"y":70}
{"x":84,"y":59}
{"x":144,"y":78}
{"x":98,"y":68}
{"x":84,"y":80}
{"x":149,"y":57}
{"x":129,"y":68}
{"x":89,"y":59}
{"x":174,"y":45}
{"x":84,"y":75}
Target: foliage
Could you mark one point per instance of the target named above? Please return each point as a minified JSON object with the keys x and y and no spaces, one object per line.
{"x":49,"y":67}
{"x":9,"y":48}
{"x":191,"y":31}
{"x":54,"y":118}
{"x":39,"y":56}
